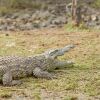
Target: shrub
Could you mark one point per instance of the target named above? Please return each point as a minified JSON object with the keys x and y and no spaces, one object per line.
{"x":20,"y":4}
{"x":4,"y":10}
{"x":96,"y":4}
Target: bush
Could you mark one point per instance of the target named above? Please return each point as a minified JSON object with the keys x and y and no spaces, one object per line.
{"x":4,"y":10}
{"x":19,"y":4}
{"x":8,"y":6}
{"x":96,"y":4}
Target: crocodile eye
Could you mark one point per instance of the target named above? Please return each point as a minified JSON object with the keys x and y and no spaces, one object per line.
{"x":53,"y":52}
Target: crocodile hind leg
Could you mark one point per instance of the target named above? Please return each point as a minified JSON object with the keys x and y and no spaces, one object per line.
{"x":8,"y":81}
{"x":42,"y":74}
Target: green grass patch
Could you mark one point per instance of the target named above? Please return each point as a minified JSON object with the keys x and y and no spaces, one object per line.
{"x":83,"y":78}
{"x":82,"y":28}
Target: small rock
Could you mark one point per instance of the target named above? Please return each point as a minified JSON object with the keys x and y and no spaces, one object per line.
{"x":94,"y":18}
{"x":44,"y":15}
{"x":46,"y":23}
{"x":15,"y":15}
{"x":24,"y":16}
{"x":3,"y":27}
{"x":36,"y":25}
{"x":59,"y":20}
{"x":11,"y":28}
{"x":21,"y":27}
{"x":29,"y":26}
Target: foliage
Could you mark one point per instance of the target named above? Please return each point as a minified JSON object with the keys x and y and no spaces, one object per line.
{"x":4,"y":10}
{"x":20,"y":4}
{"x":9,"y":6}
{"x":96,"y":4}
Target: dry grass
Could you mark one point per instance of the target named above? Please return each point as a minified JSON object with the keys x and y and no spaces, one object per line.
{"x":82,"y":82}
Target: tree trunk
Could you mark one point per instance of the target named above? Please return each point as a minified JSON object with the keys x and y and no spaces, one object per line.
{"x":76,"y":16}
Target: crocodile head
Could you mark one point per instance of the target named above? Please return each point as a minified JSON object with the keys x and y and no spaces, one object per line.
{"x":53,"y":62}
{"x":58,"y":52}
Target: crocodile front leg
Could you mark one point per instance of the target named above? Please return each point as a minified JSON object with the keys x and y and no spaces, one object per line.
{"x":42,"y":74}
{"x":8,"y":81}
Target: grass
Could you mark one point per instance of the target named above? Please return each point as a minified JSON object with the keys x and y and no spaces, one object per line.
{"x":81,"y":81}
{"x":82,"y":28}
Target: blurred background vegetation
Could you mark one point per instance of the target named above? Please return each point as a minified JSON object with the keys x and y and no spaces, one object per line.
{"x":20,"y":4}
{"x":96,"y":4}
{"x":7,"y":6}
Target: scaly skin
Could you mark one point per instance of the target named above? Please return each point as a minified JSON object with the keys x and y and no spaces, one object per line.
{"x":15,"y":67}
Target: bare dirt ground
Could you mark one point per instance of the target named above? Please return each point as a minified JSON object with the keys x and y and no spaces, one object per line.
{"x":82,"y":82}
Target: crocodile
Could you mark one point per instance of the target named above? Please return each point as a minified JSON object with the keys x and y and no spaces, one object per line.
{"x":12,"y":68}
